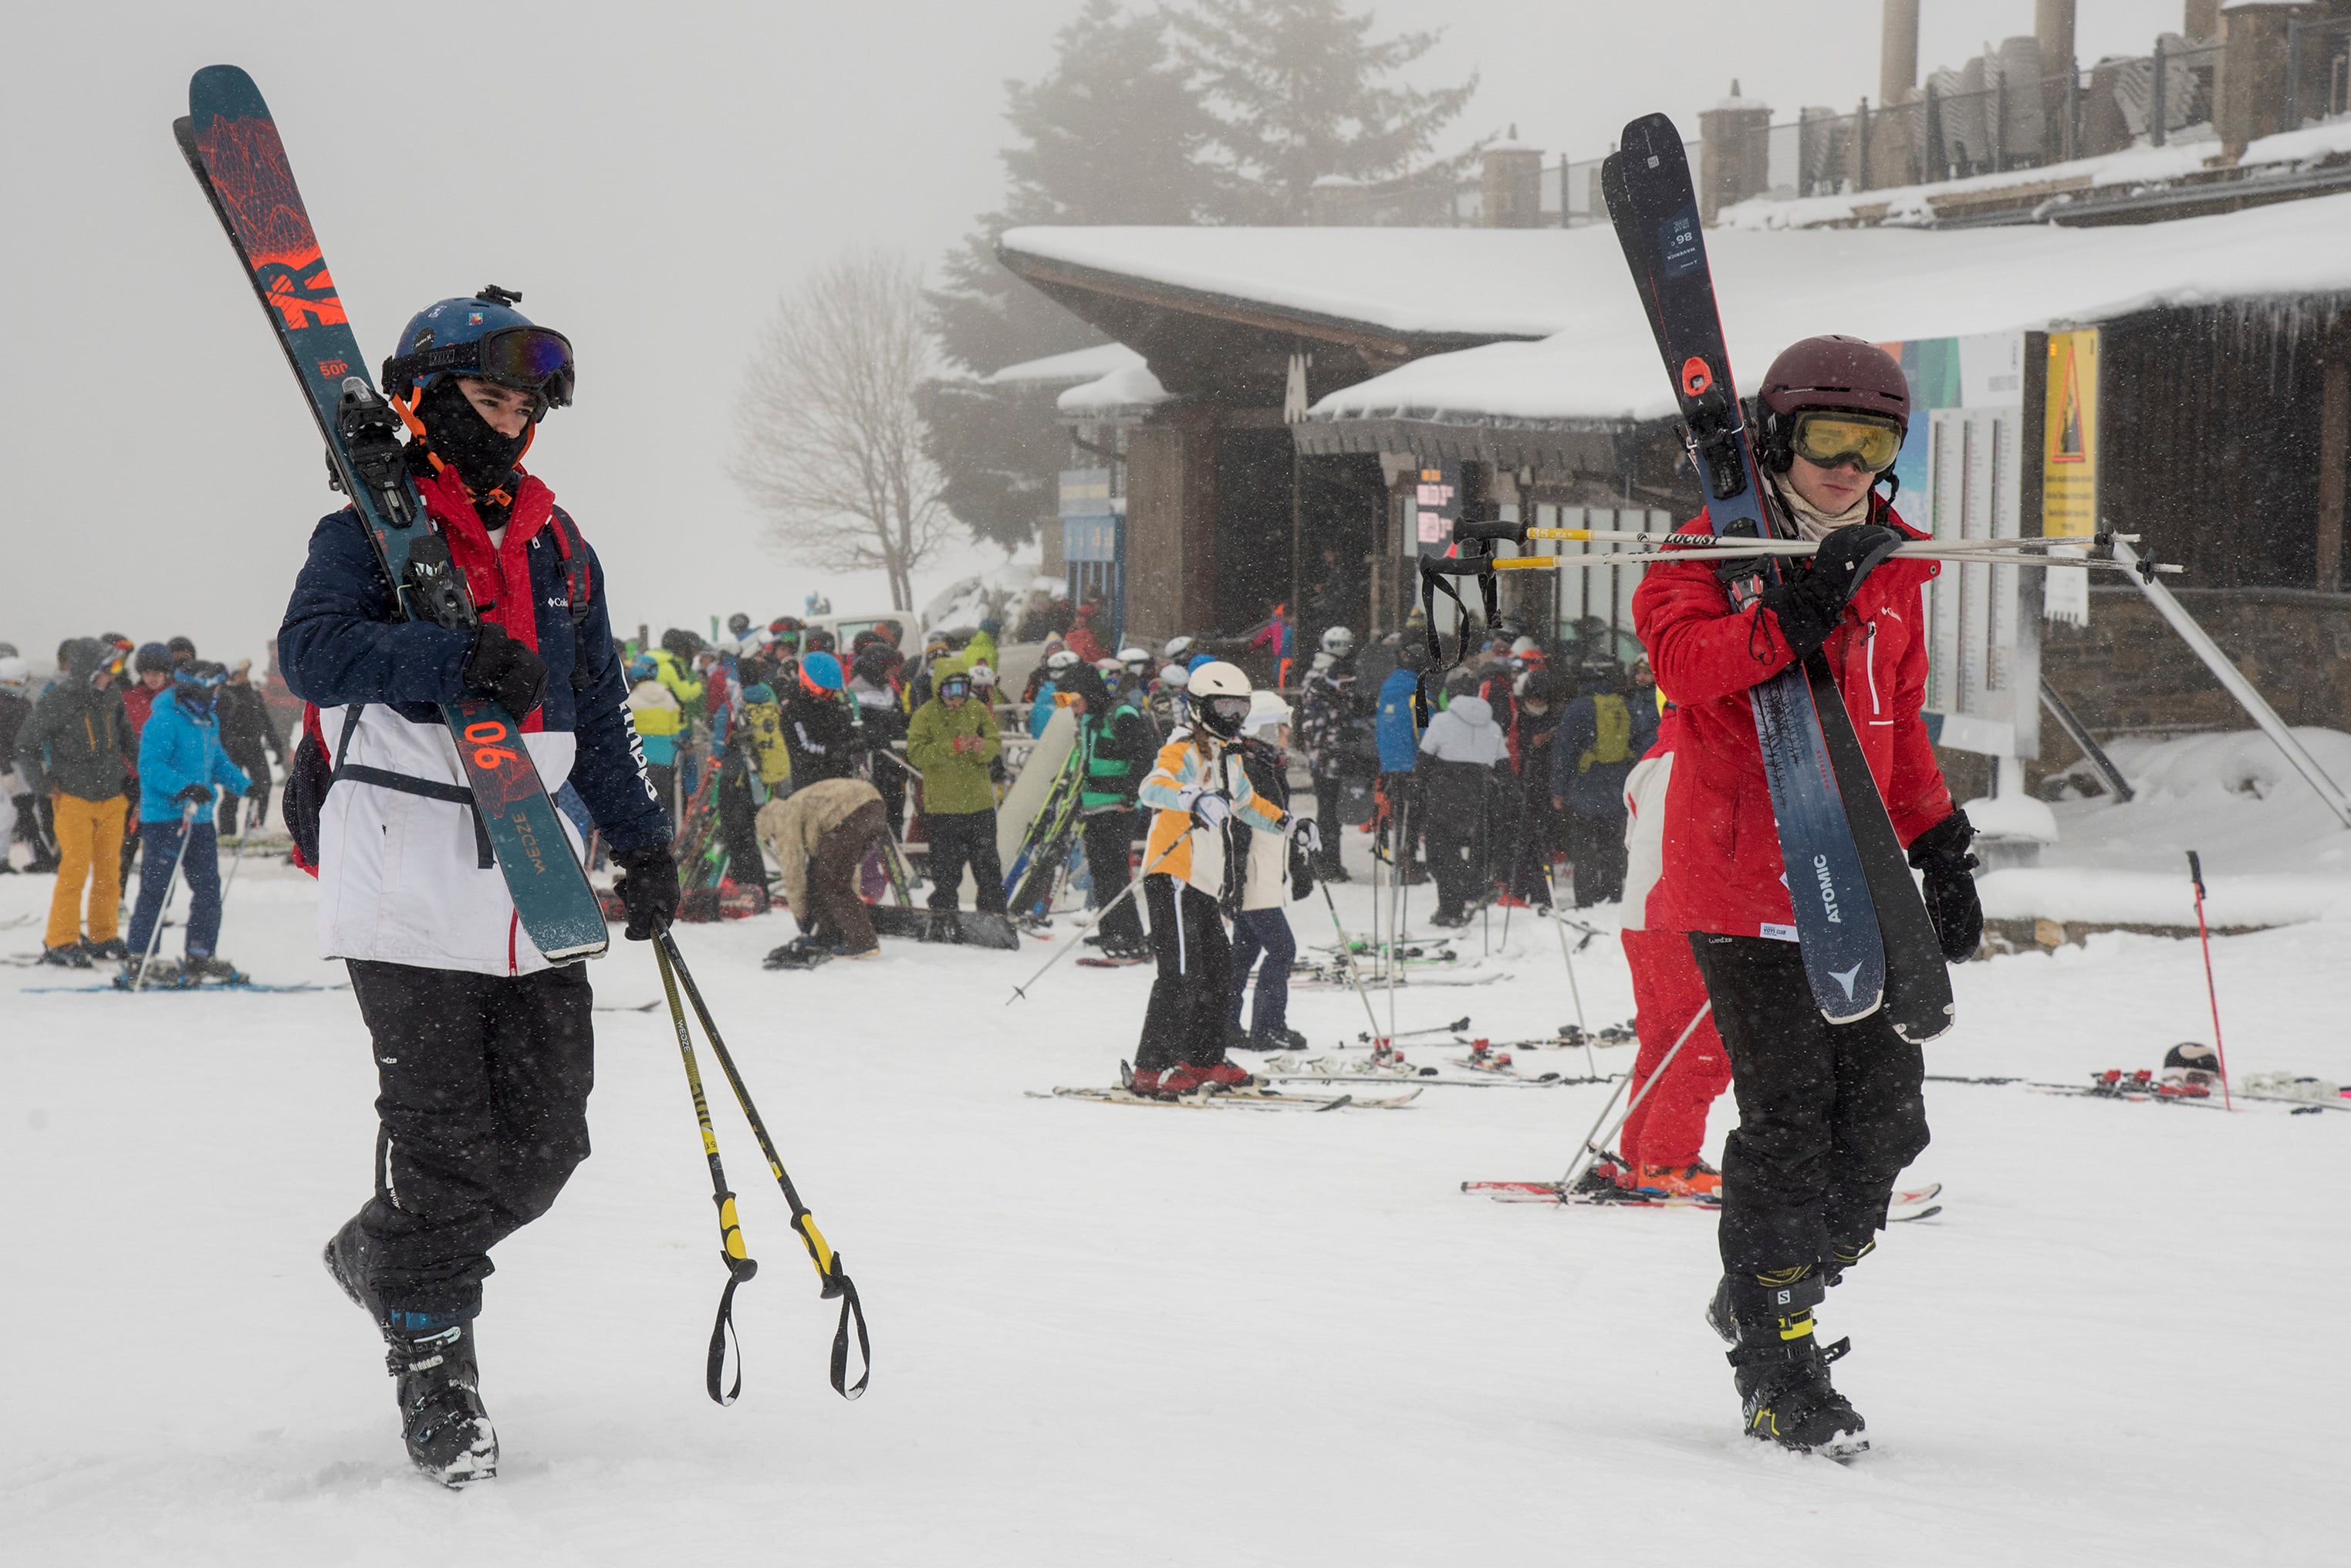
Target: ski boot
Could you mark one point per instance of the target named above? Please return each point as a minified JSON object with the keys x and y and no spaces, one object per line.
{"x":1167,"y":1085}
{"x":65,"y":956}
{"x":110,"y":951}
{"x":1696,"y":1179}
{"x":1782,"y":1374}
{"x":1223,"y":1075}
{"x":801,"y":952}
{"x":448,"y":1433}
{"x":1277,"y":1039}
{"x":207,"y":968}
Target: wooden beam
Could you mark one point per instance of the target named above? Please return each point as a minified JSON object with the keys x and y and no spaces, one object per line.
{"x":2333,"y":454}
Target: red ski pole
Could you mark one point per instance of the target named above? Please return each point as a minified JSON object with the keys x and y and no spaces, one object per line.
{"x":2196,"y":875}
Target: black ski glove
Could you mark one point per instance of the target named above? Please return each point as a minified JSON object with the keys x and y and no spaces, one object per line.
{"x":1808,"y":605}
{"x":194,"y":795}
{"x":505,"y":671}
{"x":257,"y":791}
{"x":648,"y":889}
{"x":1941,"y":854}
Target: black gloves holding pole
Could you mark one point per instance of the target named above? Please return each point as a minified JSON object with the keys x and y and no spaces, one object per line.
{"x":648,"y":889}
{"x":1940,"y":855}
{"x":1809,"y":604}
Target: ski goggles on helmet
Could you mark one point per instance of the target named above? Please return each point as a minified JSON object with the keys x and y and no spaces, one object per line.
{"x":955,"y":687}
{"x":1228,"y":711}
{"x":1827,"y":438}
{"x":531,"y":359}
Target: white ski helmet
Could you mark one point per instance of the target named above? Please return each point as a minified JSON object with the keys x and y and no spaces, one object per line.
{"x":1175,"y":650}
{"x":1060,"y":659}
{"x":983,"y":677}
{"x":1266,"y":711}
{"x":1110,"y":668}
{"x":1219,"y":698}
{"x":1174,"y":677}
{"x":1338,"y":642}
{"x":1135,"y":658}
{"x":1523,"y":646}
{"x":15,"y":675}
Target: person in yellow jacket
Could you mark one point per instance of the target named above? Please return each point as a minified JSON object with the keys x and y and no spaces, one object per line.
{"x":952,"y":741}
{"x":1193,"y":863}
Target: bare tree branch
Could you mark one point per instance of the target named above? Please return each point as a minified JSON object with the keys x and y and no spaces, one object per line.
{"x":831,"y":441}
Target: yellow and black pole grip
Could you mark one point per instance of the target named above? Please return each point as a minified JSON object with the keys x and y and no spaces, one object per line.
{"x":740,"y":1267}
{"x":837,"y":1283}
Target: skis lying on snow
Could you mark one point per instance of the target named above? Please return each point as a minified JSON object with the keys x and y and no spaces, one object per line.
{"x":963,"y":927}
{"x":1860,"y":921}
{"x":1250,"y":1099}
{"x":235,"y":988}
{"x":1600,"y":1191}
{"x":2114,"y":1083}
{"x":231,"y":143}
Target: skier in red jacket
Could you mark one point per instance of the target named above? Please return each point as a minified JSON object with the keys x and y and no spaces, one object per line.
{"x":1828,"y":1113}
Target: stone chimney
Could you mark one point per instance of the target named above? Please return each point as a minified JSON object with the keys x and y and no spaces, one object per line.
{"x":2253,"y":70}
{"x":2200,"y":21}
{"x":1898,"y":51}
{"x":2052,"y":25}
{"x":1734,"y":160}
{"x":1511,"y":186}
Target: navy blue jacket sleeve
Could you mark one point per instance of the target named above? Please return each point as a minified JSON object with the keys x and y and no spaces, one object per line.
{"x":609,"y":767}
{"x":340,"y":642}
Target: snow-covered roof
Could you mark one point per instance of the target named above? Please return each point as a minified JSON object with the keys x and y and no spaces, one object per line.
{"x":1476,"y":282}
{"x":1129,"y":388}
{"x":2270,"y":156}
{"x":1066,"y":370}
{"x":1601,"y":364}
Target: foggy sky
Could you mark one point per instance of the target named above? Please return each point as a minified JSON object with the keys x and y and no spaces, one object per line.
{"x":651,"y":178}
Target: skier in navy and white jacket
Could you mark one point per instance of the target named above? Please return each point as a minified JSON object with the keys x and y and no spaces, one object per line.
{"x":484,"y":1049}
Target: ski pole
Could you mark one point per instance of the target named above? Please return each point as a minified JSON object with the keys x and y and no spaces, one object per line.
{"x":155,"y":936}
{"x":2196,"y":876}
{"x":829,"y":1269}
{"x":1021,"y":992}
{"x":1582,"y":1029}
{"x":1347,"y":960}
{"x":1594,"y":1139}
{"x":741,"y":1265}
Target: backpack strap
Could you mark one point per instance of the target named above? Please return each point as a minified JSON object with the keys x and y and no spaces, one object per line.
{"x":572,"y":550}
{"x":427,"y":788}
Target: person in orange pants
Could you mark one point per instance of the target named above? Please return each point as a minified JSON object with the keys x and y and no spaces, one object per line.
{"x":1662,"y":1137}
{"x":77,"y":749}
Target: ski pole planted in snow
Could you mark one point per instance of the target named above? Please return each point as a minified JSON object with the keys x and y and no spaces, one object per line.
{"x":829,"y":1269}
{"x":1347,"y":960}
{"x":1582,"y":1029}
{"x":1021,"y":992}
{"x":2196,"y":877}
{"x":1594,"y":1140}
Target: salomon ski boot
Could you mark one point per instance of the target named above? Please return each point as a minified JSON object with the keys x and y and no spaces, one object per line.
{"x":1781,"y":1372}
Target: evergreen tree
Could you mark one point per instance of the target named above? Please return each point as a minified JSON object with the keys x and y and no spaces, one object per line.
{"x":1111,"y":134}
{"x":1301,"y":89}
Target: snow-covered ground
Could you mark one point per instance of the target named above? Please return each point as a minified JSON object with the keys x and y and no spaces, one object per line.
{"x":1116,"y":1336}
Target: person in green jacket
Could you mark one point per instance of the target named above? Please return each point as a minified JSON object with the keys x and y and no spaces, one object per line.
{"x":952,"y":742}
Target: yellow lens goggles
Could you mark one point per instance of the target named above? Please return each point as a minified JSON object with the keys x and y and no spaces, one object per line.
{"x":1830,"y":439}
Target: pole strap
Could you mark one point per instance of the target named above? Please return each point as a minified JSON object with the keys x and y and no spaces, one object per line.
{"x":834,"y":1279}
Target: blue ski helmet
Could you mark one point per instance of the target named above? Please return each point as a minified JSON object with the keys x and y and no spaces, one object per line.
{"x":486,"y":337}
{"x":822,"y":671}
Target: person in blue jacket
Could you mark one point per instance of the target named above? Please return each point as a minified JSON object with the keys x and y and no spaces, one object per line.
{"x":1397,"y":735}
{"x":180,"y":763}
{"x":483,"y":1049}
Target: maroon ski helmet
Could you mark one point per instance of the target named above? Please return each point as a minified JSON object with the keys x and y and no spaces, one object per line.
{"x":1831,"y":371}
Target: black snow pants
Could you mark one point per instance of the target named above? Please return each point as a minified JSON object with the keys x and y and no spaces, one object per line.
{"x":1109,"y":838}
{"x":1184,"y":1021}
{"x":960,"y":839}
{"x":737,"y":814}
{"x":1829,"y":1114}
{"x":482,"y":1112}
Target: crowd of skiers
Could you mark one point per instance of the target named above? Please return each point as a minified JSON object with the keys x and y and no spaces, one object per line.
{"x":130,"y":755}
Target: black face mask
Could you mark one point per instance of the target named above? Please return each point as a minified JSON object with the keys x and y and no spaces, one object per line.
{"x":193,"y":699}
{"x":463,"y":439}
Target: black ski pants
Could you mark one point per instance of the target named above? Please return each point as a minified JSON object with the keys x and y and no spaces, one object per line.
{"x":1456,"y":859}
{"x":1329,"y":793}
{"x":737,"y":814}
{"x":1829,"y":1114}
{"x":1595,"y":847}
{"x":1184,"y":1021}
{"x":958,"y":839}
{"x":1109,"y":839}
{"x":482,"y":1109}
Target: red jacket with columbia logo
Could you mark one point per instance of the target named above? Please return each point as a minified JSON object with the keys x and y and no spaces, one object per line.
{"x":1722,"y":868}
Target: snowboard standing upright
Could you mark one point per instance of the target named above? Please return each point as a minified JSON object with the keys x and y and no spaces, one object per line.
{"x":232,"y":145}
{"x":1864,"y":930}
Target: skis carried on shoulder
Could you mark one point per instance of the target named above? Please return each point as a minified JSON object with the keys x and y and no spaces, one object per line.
{"x":1859,"y":917}
{"x":232,"y":145}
